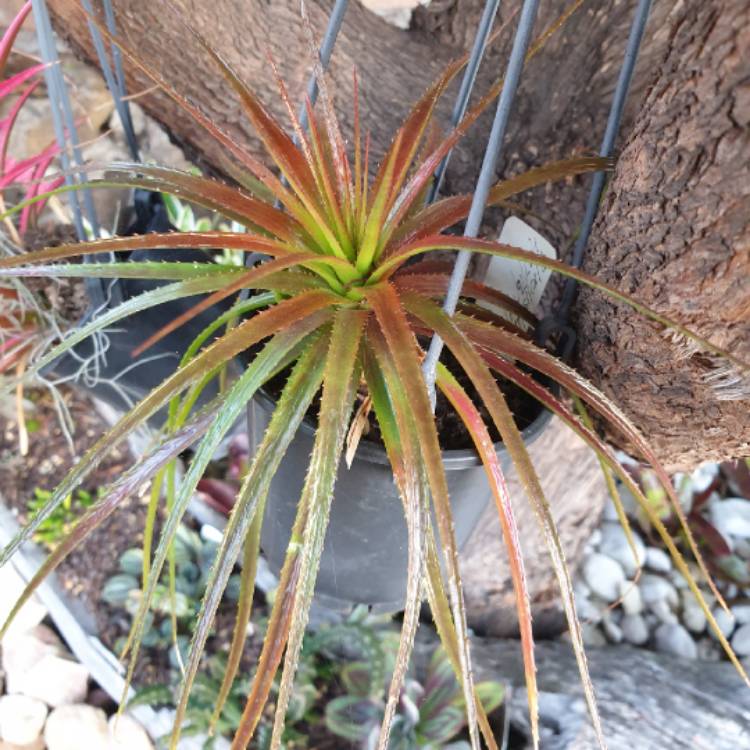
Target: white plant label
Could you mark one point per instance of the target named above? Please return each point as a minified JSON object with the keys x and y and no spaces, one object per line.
{"x":520,"y":281}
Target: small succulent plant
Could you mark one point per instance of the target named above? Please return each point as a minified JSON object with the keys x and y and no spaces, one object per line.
{"x":174,"y":606}
{"x":58,"y":524}
{"x":430,"y":714}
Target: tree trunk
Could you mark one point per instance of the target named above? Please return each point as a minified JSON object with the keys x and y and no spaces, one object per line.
{"x":674,"y":225}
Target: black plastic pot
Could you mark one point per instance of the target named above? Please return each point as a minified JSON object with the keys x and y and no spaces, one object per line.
{"x":118,"y":378}
{"x":365,"y":554}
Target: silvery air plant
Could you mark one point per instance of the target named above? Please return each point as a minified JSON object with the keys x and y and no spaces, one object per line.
{"x":337,"y":307}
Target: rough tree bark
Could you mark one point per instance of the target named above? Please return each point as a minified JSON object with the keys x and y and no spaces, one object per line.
{"x":674,"y":226}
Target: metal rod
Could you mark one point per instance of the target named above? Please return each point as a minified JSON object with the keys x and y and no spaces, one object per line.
{"x":608,"y":142}
{"x":326,"y":50}
{"x":486,"y":176}
{"x":67,"y":137}
{"x":467,"y":85}
{"x":114,"y":83}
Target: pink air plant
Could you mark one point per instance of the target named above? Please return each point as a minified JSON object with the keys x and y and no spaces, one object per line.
{"x":26,"y":173}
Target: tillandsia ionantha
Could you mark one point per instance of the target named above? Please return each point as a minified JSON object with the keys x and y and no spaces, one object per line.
{"x":336,"y":305}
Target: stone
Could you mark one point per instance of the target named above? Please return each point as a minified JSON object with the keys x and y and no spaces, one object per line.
{"x":662,"y":611}
{"x":22,"y":651}
{"x":709,"y":650}
{"x":592,"y":635}
{"x":741,"y":613}
{"x":693,"y":617}
{"x":724,"y":620}
{"x":588,"y":611}
{"x":603,"y":575}
{"x":675,"y":640}
{"x":654,"y":588}
{"x":658,"y":560}
{"x":37,"y":744}
{"x":741,"y":640}
{"x":76,"y":727}
{"x":395,"y":12}
{"x":125,"y":733}
{"x":634,"y":629}
{"x":56,"y":680}
{"x":632,"y":602}
{"x":611,"y":629}
{"x":731,"y":516}
{"x":615,"y":544}
{"x":21,"y":719}
{"x":32,"y":612}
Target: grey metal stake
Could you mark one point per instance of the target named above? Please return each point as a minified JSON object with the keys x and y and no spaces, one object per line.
{"x":486,"y":175}
{"x":66,"y":135}
{"x":115,"y":81}
{"x":607,"y":148}
{"x":326,"y":50}
{"x":467,"y":84}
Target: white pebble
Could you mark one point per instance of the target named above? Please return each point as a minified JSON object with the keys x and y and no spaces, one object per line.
{"x":603,"y":575}
{"x":21,"y":719}
{"x":675,"y":640}
{"x":658,"y":560}
{"x":661,"y":609}
{"x":724,"y":620}
{"x":634,"y":629}
{"x":693,"y":617}
{"x":592,"y":636}
{"x":615,"y":544}
{"x":731,"y":516}
{"x":632,"y":602}
{"x":741,"y":640}
{"x":611,"y":629}
{"x":741,"y":613}
{"x":653,"y":588}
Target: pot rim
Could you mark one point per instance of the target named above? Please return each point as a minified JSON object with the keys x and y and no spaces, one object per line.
{"x":453,"y":460}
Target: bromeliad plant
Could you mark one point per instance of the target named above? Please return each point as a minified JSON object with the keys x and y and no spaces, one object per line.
{"x":336,"y":305}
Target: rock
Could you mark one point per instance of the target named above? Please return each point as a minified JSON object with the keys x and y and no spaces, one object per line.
{"x":634,"y":629}
{"x":614,"y":544}
{"x":603,"y":575}
{"x":588,"y":611}
{"x":592,"y":635}
{"x":658,"y":560}
{"x":725,"y":622}
{"x":703,"y":477}
{"x":76,"y":727}
{"x":741,"y":640}
{"x":661,"y":609}
{"x":395,"y":12}
{"x":37,"y":744}
{"x":125,"y":733}
{"x":23,"y":651}
{"x":32,"y":612}
{"x":632,"y":602}
{"x":693,"y":617}
{"x":654,"y":588}
{"x":731,"y":516}
{"x":611,"y":629}
{"x":56,"y":680}
{"x":741,"y":547}
{"x":21,"y":719}
{"x":741,"y":613}
{"x":675,"y":640}
{"x":709,"y":650}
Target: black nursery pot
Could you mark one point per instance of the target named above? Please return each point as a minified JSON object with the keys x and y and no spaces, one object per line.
{"x":364,"y":558}
{"x":118,"y":378}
